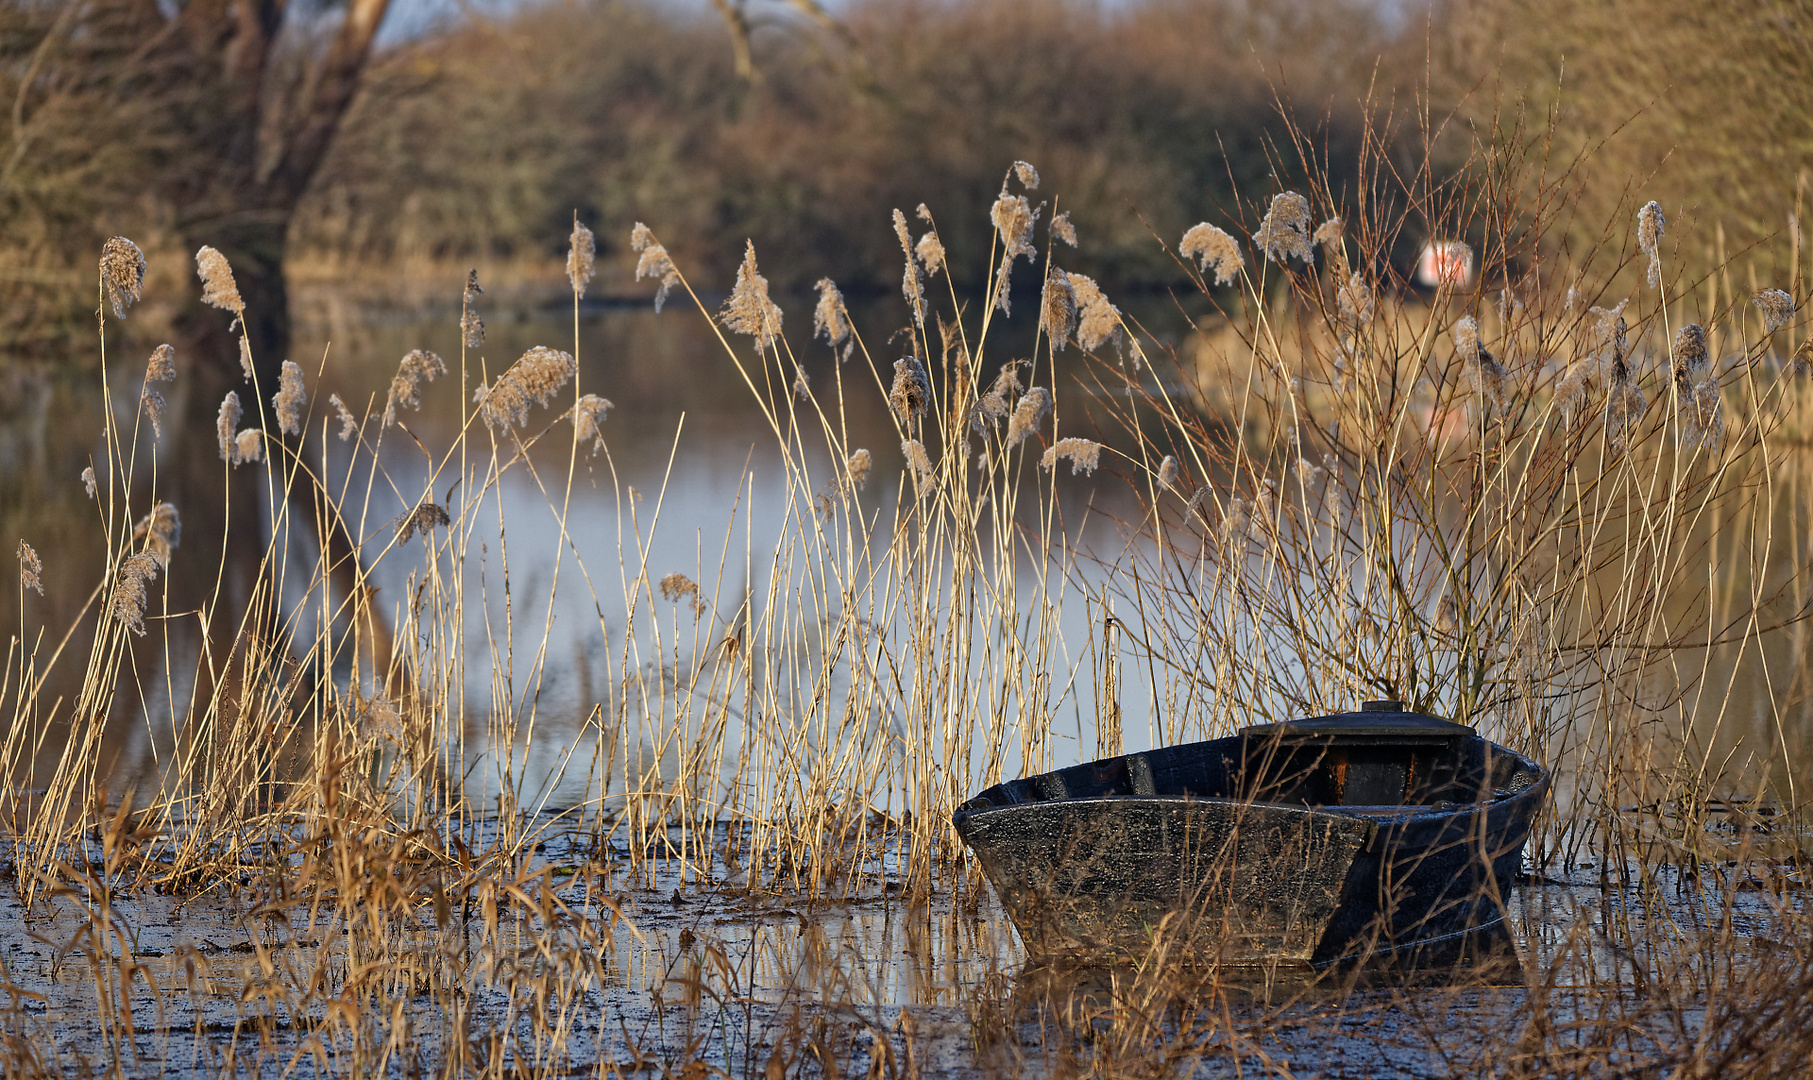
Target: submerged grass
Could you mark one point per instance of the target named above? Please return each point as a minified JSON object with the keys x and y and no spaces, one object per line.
{"x":1495,"y":501}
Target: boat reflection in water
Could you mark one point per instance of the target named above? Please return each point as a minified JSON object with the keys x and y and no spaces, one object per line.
{"x":1313,"y":842}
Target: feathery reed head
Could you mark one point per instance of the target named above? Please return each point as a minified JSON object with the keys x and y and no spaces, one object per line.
{"x":538,"y":375}
{"x":161,"y":529}
{"x":1354,"y":300}
{"x":918,"y":461}
{"x":1689,"y":355}
{"x":1624,"y":405}
{"x":290,"y":399}
{"x":995,"y":404}
{"x":245,"y":356}
{"x":1776,"y":308}
{"x":127,"y":604}
{"x":1484,"y":373}
{"x":582,"y":254}
{"x":472,"y":328}
{"x":417,"y":367}
{"x":653,"y":262}
{"x":1329,"y":233}
{"x":1032,"y":408}
{"x":349,"y":425}
{"x":427,"y":515}
{"x":856,"y":469}
{"x":1083,"y":454}
{"x":89,"y":482}
{"x":911,"y":393}
{"x":1168,"y":470}
{"x":248,"y":446}
{"x":1605,"y":337}
{"x":1098,"y":321}
{"x":1029,"y":176}
{"x":1650,"y":228}
{"x":29,"y":569}
{"x":122,"y":273}
{"x":1013,"y":219}
{"x":912,"y":281}
{"x":588,"y":414}
{"x":831,"y":319}
{"x":1057,"y":309}
{"x":749,"y":310}
{"x":218,"y":289}
{"x":162,"y":365}
{"x":1703,"y":415}
{"x":1284,"y":231}
{"x":1213,"y":249}
{"x":676,"y":587}
{"x":1062,"y":229}
{"x":930,"y":250}
{"x":1802,"y":361}
{"x":226,"y":422}
{"x":160,"y":368}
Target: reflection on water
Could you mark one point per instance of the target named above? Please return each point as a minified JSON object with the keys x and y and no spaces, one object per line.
{"x":687,"y":483}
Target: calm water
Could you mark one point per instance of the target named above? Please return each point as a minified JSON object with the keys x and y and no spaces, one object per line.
{"x":689,"y":483}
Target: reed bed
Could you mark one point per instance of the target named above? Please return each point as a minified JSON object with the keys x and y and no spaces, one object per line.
{"x":1562,"y":499}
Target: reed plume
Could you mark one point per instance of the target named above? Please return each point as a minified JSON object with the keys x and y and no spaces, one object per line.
{"x":676,"y":587}
{"x":248,"y":446}
{"x":1329,"y":233}
{"x":1098,"y":321}
{"x":218,"y":289}
{"x":1168,"y":471}
{"x":749,"y":310}
{"x":917,"y":459}
{"x":245,"y":356}
{"x":417,"y":367}
{"x":122,"y":273}
{"x":29,"y":569}
{"x":349,"y":426}
{"x":225,"y":423}
{"x":160,"y":368}
{"x":538,"y":375}
{"x":997,"y":403}
{"x":653,"y":262}
{"x":1029,"y":176}
{"x":290,"y":399}
{"x":856,"y":469}
{"x":427,"y":515}
{"x":1650,"y":228}
{"x":1062,"y":229}
{"x":588,"y":413}
{"x":127,"y":604}
{"x":1032,"y":408}
{"x":1013,"y":219}
{"x":930,"y":250}
{"x":1213,"y":249}
{"x":582,"y":254}
{"x":1776,"y":308}
{"x":1485,"y":375}
{"x":1690,"y":357}
{"x":911,"y":393}
{"x":912,"y":281}
{"x":1284,"y":231}
{"x":1236,"y":521}
{"x":831,"y":319}
{"x":1802,"y":361}
{"x":1703,"y":416}
{"x":1355,"y":301}
{"x":1083,"y":454}
{"x":472,"y":328}
{"x":161,"y":529}
{"x":1624,"y":404}
{"x":1057,"y":309}
{"x":89,"y":482}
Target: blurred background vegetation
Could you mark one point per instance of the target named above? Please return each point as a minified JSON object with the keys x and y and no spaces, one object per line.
{"x":474,"y":141}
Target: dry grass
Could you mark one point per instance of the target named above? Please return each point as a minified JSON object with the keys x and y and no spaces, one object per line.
{"x":1332,"y":506}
